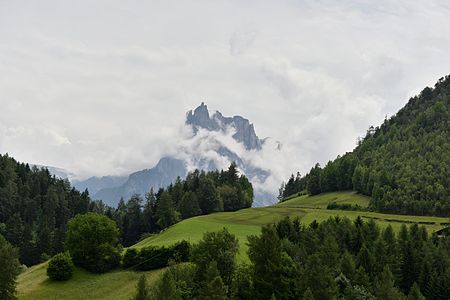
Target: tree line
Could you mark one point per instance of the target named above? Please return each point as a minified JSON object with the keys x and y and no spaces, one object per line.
{"x":35,"y":208}
{"x":403,"y":164}
{"x":336,"y":259}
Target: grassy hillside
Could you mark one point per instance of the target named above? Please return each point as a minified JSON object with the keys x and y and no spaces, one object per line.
{"x":241,"y":223}
{"x":248,"y":221}
{"x":34,"y":284}
{"x":322,"y":200}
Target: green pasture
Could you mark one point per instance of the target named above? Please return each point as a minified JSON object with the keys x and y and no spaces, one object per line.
{"x":34,"y":284}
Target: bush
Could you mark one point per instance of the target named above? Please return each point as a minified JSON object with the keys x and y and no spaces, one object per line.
{"x":130,"y":258}
{"x":92,"y":241}
{"x":150,"y":258}
{"x":60,"y":267}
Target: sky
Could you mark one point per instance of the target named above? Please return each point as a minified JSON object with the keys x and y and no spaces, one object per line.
{"x":102,"y":87}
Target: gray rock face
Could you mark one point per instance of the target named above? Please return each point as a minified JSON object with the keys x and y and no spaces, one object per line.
{"x":245,"y":131}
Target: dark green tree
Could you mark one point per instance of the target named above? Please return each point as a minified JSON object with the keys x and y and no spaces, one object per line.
{"x":188,"y":206}
{"x":10,"y":268}
{"x":142,"y":292}
{"x":414,"y":293}
{"x":166,"y":213}
{"x":265,"y":253}
{"x":214,"y":288}
{"x":208,"y":197}
{"x":220,"y":247}
{"x":60,"y":267}
{"x":384,"y":286}
{"x":92,"y":241}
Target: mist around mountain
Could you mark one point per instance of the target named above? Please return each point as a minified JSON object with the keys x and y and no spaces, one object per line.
{"x":58,"y":172}
{"x":208,"y":142}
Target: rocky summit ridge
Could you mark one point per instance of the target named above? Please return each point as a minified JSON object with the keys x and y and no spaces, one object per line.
{"x":245,"y":131}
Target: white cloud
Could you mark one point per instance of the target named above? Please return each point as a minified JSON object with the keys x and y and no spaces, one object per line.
{"x":102,"y":87}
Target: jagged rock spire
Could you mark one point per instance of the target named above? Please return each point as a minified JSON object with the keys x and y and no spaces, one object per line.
{"x":245,"y":131}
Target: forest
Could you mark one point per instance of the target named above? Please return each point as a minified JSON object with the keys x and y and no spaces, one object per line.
{"x":403,"y":164}
{"x":35,"y":206}
{"x":336,"y":259}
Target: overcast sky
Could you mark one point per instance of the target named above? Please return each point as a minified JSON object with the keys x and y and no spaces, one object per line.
{"x":102,"y":87}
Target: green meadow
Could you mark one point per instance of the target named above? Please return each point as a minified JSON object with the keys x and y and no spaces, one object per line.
{"x":34,"y":284}
{"x":120,"y":284}
{"x":248,"y":221}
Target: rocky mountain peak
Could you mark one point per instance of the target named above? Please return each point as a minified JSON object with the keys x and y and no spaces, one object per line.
{"x":245,"y":131}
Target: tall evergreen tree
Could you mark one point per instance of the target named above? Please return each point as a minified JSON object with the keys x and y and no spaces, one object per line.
{"x":165,"y":212}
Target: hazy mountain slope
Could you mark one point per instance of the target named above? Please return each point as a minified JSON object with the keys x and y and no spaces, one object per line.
{"x":95,"y":184}
{"x":164,"y":173}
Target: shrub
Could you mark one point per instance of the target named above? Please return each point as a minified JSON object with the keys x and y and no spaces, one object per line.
{"x":130,"y":258}
{"x":92,"y":241}
{"x":150,"y":258}
{"x":60,"y":267}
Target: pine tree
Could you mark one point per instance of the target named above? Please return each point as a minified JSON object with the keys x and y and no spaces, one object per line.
{"x":265,"y":254}
{"x":214,"y":288}
{"x":414,"y":293}
{"x":208,"y":198}
{"x":308,"y":295}
{"x":166,"y":213}
{"x":9,"y":269}
{"x":166,"y":288}
{"x":188,"y":206}
{"x":141,"y":289}
{"x":313,"y":185}
{"x":384,"y":286}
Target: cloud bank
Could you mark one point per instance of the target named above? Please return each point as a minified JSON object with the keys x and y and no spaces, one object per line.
{"x":102,"y":87}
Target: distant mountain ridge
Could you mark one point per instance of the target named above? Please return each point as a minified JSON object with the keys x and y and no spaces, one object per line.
{"x":111,"y":188}
{"x":245,"y":131}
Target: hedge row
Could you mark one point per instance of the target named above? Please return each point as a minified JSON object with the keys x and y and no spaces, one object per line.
{"x":150,"y":258}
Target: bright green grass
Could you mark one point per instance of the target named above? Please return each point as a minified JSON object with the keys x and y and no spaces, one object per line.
{"x":247,"y":222}
{"x":322,"y":200}
{"x":34,"y":284}
{"x":241,"y":223}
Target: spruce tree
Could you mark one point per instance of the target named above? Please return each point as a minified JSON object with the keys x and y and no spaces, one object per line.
{"x":166,"y":213}
{"x":9,"y":269}
{"x":384,"y":286}
{"x":142,"y":292}
{"x":166,"y":289}
{"x":414,"y":293}
{"x":214,"y":288}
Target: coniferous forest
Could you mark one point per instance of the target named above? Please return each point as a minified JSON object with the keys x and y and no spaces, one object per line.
{"x":35,"y":208}
{"x":336,"y":259}
{"x":404,"y":164}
